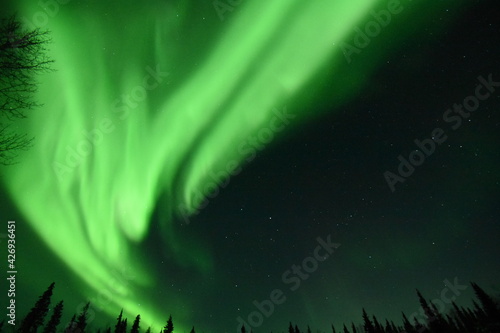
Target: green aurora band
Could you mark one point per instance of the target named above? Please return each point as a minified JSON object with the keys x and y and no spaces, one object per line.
{"x":158,"y":138}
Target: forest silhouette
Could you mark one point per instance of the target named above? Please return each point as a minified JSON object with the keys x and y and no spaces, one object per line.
{"x":482,"y":317}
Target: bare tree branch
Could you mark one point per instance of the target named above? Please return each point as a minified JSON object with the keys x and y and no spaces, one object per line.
{"x":23,"y":55}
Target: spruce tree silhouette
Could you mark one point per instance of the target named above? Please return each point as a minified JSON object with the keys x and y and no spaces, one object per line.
{"x":478,"y":312}
{"x":169,"y":327}
{"x":438,"y":322}
{"x":449,"y":323}
{"x":489,"y":306}
{"x":376,"y":325}
{"x":459,"y":317}
{"x":135,"y":325}
{"x":368,"y":325}
{"x":71,"y":326}
{"x":481,"y":318}
{"x":81,"y":321}
{"x":408,"y":327}
{"x":396,"y":328}
{"x":55,"y":319}
{"x":419,"y":328}
{"x":388,"y":327}
{"x":36,"y":316}
{"x":119,"y":322}
{"x":123,"y":326}
{"x":435,"y":321}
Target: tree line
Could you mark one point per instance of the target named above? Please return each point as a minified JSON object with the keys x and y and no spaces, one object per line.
{"x":482,"y":317}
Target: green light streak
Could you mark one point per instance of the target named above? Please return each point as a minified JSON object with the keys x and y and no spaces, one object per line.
{"x":95,"y":215}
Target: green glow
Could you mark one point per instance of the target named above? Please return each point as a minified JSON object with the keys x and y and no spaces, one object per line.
{"x":265,"y":54}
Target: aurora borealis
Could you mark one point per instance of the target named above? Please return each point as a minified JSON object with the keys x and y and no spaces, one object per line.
{"x":187,"y":155}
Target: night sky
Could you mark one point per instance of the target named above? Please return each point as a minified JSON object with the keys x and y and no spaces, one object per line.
{"x":322,"y":179}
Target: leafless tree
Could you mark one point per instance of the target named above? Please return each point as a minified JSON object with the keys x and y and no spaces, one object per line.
{"x":23,"y":55}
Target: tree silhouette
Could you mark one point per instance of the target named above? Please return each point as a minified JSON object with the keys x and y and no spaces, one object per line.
{"x":71,"y":326}
{"x":23,"y":55}
{"x":435,"y":320}
{"x":406,"y":324}
{"x":169,"y":327}
{"x":489,"y":307}
{"x":388,"y":327}
{"x":36,"y":316}
{"x":135,"y":325}
{"x":81,"y":321}
{"x":376,"y":325}
{"x":480,"y":318}
{"x":55,"y":319}
{"x":368,"y":325}
{"x":119,"y":322}
{"x":417,"y":326}
{"x":123,"y":326}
